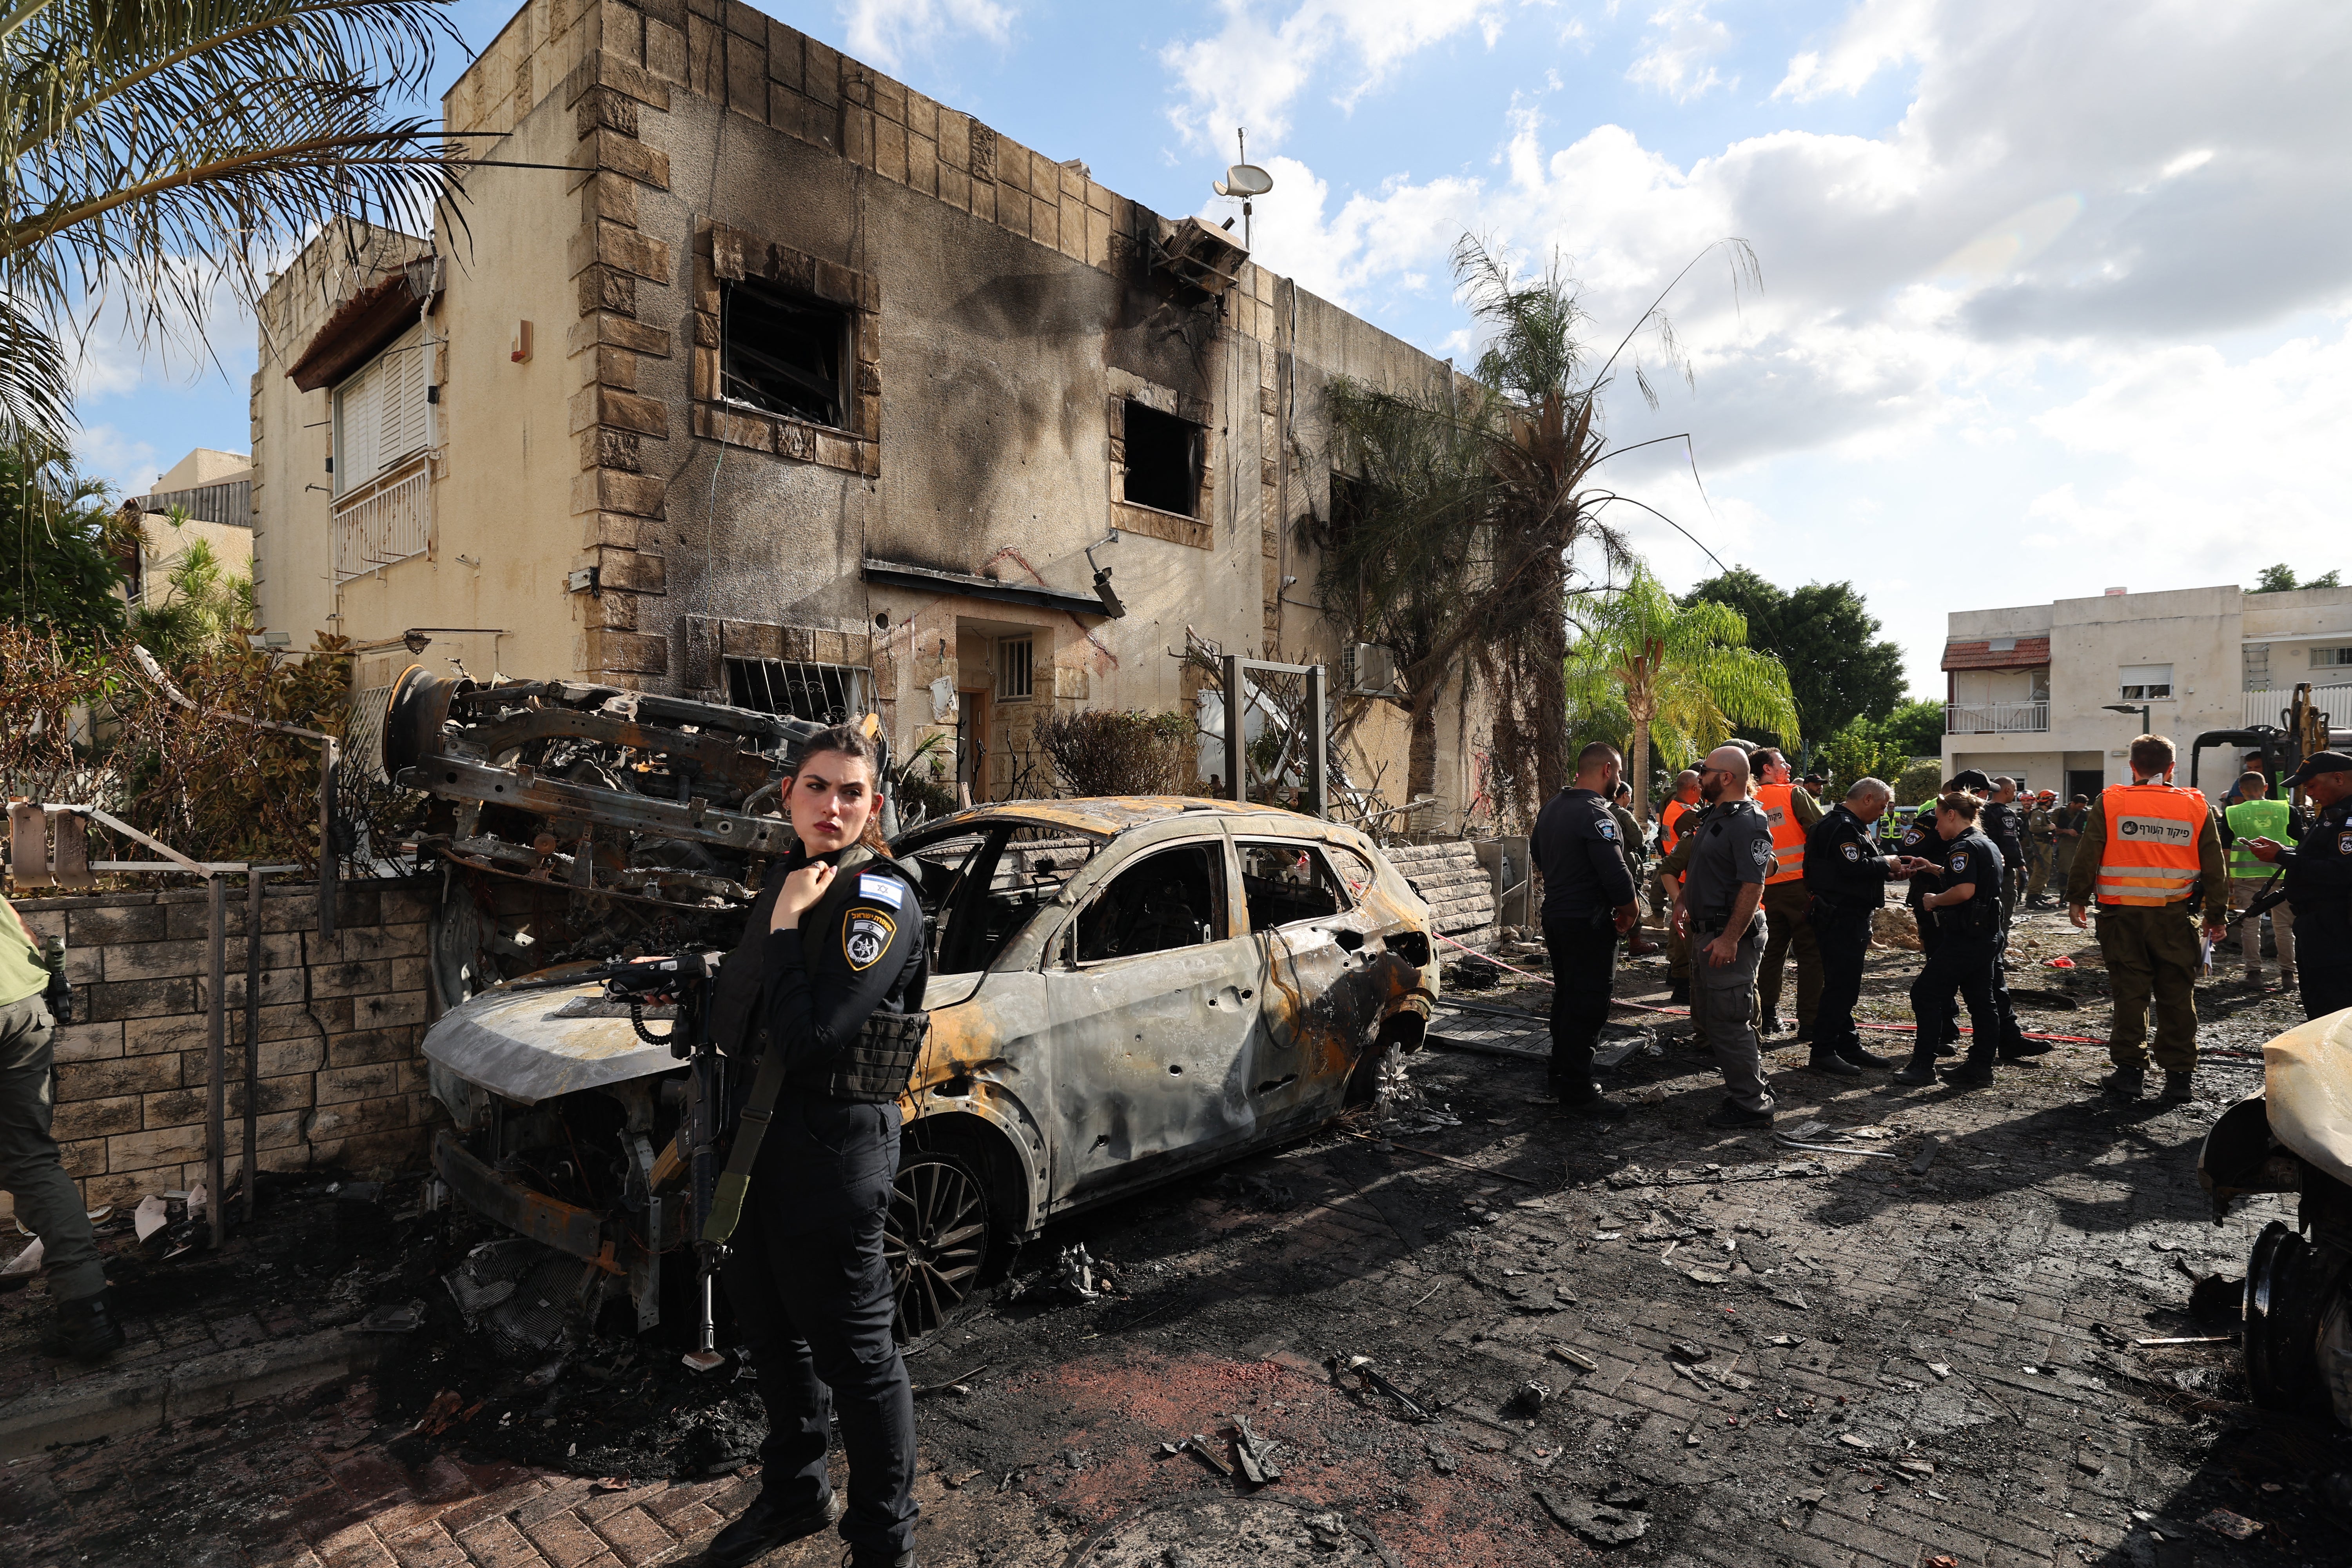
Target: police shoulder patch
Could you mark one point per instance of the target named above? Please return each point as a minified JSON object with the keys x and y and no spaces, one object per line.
{"x":1762,"y":850}
{"x":1852,"y":851}
{"x":1960,"y":861}
{"x":1607,"y":828}
{"x":865,"y":936}
{"x":2344,"y":844}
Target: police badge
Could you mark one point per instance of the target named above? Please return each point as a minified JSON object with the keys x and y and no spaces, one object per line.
{"x":866,"y":937}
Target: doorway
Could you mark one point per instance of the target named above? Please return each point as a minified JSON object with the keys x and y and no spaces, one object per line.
{"x":971,"y":745}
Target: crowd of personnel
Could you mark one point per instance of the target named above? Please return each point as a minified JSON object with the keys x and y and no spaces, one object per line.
{"x":1755,"y":876}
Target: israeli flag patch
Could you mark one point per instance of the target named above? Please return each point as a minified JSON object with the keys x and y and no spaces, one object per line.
{"x":882,"y":888}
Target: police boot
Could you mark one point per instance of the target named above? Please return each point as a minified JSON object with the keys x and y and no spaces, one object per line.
{"x":767,"y":1524}
{"x":1861,"y":1057}
{"x":2017,"y":1045}
{"x":1679,"y":991}
{"x":2126,"y":1083}
{"x":1975,"y":1072}
{"x":1920,"y":1068}
{"x":2176,"y":1089}
{"x":1830,"y":1062}
{"x":85,"y":1329}
{"x":1582,"y":1097}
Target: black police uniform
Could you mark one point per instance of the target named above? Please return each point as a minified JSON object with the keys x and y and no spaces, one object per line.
{"x":1967,"y":946}
{"x":2319,"y":886}
{"x":810,"y":1290}
{"x":1921,"y":841}
{"x":1845,"y":872}
{"x":2000,"y":822}
{"x":1576,"y":844}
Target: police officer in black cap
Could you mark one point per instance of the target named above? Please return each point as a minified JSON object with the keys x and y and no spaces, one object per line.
{"x":1588,"y":905}
{"x":2320,"y":882}
{"x":1965,"y":904}
{"x":1846,"y":873}
{"x":2001,"y":822}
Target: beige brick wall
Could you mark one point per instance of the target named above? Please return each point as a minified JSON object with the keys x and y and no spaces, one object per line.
{"x":341,"y":1081}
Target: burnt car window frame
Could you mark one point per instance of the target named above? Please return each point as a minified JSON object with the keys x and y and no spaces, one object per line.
{"x":1062,"y":948}
{"x":1348,"y":901}
{"x":976,"y":882}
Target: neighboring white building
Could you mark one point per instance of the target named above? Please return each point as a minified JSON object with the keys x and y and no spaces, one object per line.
{"x":2029,"y":689}
{"x":213,"y":492}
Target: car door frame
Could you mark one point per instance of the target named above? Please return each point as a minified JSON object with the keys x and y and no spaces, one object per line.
{"x":1320,"y":1003}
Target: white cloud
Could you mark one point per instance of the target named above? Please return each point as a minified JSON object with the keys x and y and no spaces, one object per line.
{"x":885,"y":32}
{"x":1678,"y":56}
{"x":1874,"y":35}
{"x":1249,"y":72}
{"x":129,"y":464}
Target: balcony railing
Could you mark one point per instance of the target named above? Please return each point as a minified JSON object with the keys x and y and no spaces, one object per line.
{"x":387,"y":520}
{"x":2263,"y":707}
{"x":1996,"y":717}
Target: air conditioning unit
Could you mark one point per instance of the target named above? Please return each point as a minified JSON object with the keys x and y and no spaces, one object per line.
{"x":1372,"y":669}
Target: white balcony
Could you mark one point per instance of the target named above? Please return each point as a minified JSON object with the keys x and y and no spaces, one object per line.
{"x":2263,"y":707}
{"x":388,"y":518}
{"x":1996,"y":717}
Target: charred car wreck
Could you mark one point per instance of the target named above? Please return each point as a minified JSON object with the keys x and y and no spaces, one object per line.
{"x":1123,"y":990}
{"x":2296,"y":1137}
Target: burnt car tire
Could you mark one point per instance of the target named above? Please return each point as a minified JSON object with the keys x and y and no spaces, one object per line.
{"x":938,"y":1239}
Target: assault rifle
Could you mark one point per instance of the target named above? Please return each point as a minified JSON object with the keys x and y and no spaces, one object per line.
{"x":2273,"y":894}
{"x":686,"y":981}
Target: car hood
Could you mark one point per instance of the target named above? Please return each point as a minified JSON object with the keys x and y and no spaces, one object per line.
{"x":534,"y":1045}
{"x":2307,"y":1090}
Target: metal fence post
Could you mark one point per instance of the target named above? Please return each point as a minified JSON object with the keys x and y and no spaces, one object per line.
{"x":1237,"y":722}
{"x":216,"y":1045}
{"x":328,"y":868}
{"x":1318,"y":744}
{"x":252,"y":1035}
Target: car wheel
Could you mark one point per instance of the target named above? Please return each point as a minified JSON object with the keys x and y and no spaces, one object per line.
{"x":937,"y":1237}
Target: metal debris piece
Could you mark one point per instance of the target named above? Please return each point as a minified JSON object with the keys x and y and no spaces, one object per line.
{"x":1786,"y":1341}
{"x":1684,"y":1350}
{"x":1255,"y":1455}
{"x":1940,"y":1369}
{"x":404,"y":1319}
{"x":1529,"y":1398}
{"x":1855,"y":1440}
{"x":1199,"y":1444}
{"x":1926,"y":1156}
{"x":2235,"y":1526}
{"x":1786,"y":1142}
{"x":1919,"y":1467}
{"x":1361,"y":1365}
{"x":1443,"y":1463}
{"x":1575,"y":1358}
{"x":959,"y":1384}
{"x":1074,"y":1272}
{"x":2192,"y":1340}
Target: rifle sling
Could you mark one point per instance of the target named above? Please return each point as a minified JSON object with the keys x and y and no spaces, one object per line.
{"x":759,"y":1109}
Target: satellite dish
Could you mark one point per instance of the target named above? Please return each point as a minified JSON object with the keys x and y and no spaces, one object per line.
{"x":1245,"y":180}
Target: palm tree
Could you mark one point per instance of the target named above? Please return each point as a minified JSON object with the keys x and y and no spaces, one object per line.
{"x":1683,"y":674}
{"x":1472,"y":495}
{"x":151,"y":149}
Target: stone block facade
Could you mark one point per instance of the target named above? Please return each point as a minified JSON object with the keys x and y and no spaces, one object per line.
{"x":342,"y":1080}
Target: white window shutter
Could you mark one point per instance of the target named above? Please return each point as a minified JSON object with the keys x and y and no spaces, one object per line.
{"x":403,"y":402}
{"x":359,"y":414}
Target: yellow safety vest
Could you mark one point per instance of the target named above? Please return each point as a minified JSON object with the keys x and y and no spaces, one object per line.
{"x":2254,"y":819}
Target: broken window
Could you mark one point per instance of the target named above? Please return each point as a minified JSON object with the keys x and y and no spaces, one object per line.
{"x":1169,"y":899}
{"x":2146,"y":682}
{"x":1164,"y":459}
{"x":1286,"y":883}
{"x":784,"y":354}
{"x":980,"y":886}
{"x":821,"y":693}
{"x":1013,"y":657}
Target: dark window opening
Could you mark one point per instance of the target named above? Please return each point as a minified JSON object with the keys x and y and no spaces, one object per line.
{"x":821,"y":693}
{"x":1163,"y":461}
{"x":1172,"y":898}
{"x":1351,"y":503}
{"x":1286,"y":883}
{"x":784,"y":355}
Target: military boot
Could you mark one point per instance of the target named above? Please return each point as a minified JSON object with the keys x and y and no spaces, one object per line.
{"x":85,"y":1328}
{"x":1829,"y":1061}
{"x":2126,"y":1083}
{"x":1920,"y":1068}
{"x":2176,"y":1088}
{"x":1975,"y":1070}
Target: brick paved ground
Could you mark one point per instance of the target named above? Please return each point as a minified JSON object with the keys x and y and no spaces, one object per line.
{"x":1897,"y":1368}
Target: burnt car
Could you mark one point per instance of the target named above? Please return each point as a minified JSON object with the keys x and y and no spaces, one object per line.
{"x":1123,"y":991}
{"x":2296,"y":1137}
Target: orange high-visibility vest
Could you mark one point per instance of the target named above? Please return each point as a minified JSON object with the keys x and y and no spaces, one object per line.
{"x":1672,"y":818}
{"x":1788,"y":836}
{"x":2150,"y":854}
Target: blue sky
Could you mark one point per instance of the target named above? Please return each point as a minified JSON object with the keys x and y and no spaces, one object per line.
{"x":2055,"y":296}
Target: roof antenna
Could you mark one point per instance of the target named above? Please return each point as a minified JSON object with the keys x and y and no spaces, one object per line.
{"x":1245,"y":180}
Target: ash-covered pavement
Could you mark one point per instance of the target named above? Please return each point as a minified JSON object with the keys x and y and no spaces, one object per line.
{"x":1794,"y":1357}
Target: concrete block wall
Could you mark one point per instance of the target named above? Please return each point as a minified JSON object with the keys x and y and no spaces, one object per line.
{"x":341,"y":1080}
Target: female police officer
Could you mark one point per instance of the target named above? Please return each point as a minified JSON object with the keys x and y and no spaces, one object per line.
{"x":1966,"y":873}
{"x":841,"y":948}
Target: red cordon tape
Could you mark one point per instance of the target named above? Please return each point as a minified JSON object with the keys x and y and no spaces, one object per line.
{"x":1685,"y":1012}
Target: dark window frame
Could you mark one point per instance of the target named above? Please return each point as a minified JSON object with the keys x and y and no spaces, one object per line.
{"x":783,"y":388}
{"x":1166,"y":455}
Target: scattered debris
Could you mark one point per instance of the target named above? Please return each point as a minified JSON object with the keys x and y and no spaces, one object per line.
{"x":1361,"y":1365}
{"x":2192,"y":1340}
{"x":1597,"y":1522}
{"x":1929,"y":1146}
{"x":404,"y":1319}
{"x":1443,"y":1463}
{"x":1575,"y":1358}
{"x":2234,"y":1526}
{"x":959,"y":1384}
{"x":1529,"y":1399}
{"x":25,"y":1264}
{"x":1683,"y":1350}
{"x":1199,"y":1444}
{"x":1940,"y":1369}
{"x":1254,"y":1454}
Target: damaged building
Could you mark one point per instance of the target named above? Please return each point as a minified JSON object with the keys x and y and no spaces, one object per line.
{"x":743,"y":372}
